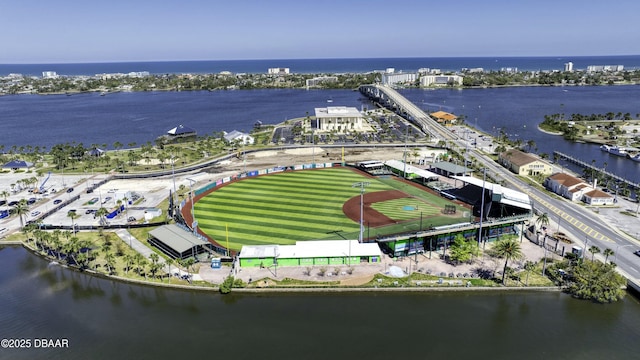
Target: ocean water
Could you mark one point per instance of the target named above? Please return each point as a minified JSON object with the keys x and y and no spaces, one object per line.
{"x":316,"y":66}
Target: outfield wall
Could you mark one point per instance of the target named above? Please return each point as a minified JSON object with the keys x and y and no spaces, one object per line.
{"x":254,"y":173}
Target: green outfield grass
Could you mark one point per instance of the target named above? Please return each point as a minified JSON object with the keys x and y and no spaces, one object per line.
{"x":285,"y":207}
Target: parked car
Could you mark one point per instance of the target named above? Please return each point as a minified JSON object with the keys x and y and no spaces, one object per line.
{"x":131,"y":218}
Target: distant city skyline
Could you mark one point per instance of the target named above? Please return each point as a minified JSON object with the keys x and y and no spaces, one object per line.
{"x":71,"y":31}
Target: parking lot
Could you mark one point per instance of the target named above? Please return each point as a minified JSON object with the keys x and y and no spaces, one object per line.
{"x":139,"y":196}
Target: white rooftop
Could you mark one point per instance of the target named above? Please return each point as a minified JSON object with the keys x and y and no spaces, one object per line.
{"x":333,"y":111}
{"x":399,"y":165}
{"x":508,"y":196}
{"x":309,"y":249}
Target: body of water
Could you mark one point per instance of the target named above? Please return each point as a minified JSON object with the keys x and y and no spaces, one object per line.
{"x":142,"y":116}
{"x":103,"y":319}
{"x":316,"y":66}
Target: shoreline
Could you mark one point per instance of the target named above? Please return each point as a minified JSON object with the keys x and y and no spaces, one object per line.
{"x":480,"y":87}
{"x":293,"y":289}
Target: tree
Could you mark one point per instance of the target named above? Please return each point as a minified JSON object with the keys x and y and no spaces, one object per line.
{"x":72,"y":215}
{"x":463,"y":250}
{"x":543,"y":220}
{"x":507,"y":249}
{"x":21,"y":209}
{"x":593,"y":250}
{"x":101,"y":213}
{"x":596,"y":281}
{"x":529,"y":266}
{"x":607,"y":252}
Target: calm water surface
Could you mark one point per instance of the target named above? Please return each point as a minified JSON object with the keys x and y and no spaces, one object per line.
{"x":109,"y":320}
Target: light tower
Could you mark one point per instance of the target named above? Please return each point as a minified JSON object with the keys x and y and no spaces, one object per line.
{"x":361,"y":185}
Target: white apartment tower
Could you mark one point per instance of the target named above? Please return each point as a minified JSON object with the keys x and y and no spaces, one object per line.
{"x":568,"y":67}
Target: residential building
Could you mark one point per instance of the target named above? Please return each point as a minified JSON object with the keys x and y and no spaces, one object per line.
{"x":338,"y":118}
{"x":49,"y":75}
{"x":399,"y":78}
{"x":604,"y":68}
{"x":441,"y":80}
{"x":568,"y":67}
{"x":523,"y":163}
{"x":278,"y":71}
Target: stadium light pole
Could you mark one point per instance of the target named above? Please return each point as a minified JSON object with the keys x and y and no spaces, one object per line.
{"x":194,"y":224}
{"x":484,"y":177}
{"x":361,"y":185}
{"x":406,"y":138}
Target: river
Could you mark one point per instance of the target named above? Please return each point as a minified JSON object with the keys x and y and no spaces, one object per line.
{"x":103,"y":319}
{"x":140,"y":117}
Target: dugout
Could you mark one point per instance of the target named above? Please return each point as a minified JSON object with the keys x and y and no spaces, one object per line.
{"x":310,"y":253}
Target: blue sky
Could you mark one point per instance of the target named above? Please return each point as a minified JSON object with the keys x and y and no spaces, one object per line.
{"x":44,"y":31}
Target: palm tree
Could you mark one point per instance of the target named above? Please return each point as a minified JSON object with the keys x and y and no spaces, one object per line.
{"x":73,"y":216}
{"x":508,"y":249}
{"x":21,"y":209}
{"x":543,"y":220}
{"x":593,"y":250}
{"x":607,"y":252}
{"x":5,"y":194}
{"x":101,"y":213}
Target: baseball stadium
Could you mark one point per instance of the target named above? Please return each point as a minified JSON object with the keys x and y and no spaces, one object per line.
{"x":288,"y":206}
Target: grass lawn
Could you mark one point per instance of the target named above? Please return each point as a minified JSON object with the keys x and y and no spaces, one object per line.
{"x":292,"y":206}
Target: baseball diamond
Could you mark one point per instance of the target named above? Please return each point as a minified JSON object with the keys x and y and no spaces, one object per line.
{"x":318,"y":204}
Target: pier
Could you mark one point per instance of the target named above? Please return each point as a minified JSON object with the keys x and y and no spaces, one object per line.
{"x":582,"y":164}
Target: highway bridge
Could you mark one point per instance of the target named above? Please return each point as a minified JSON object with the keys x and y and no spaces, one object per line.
{"x":394,"y":101}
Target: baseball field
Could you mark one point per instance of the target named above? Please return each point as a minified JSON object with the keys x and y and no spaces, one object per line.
{"x":320,"y":204}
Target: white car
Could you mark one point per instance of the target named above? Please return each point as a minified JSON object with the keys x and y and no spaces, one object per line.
{"x":35,"y":213}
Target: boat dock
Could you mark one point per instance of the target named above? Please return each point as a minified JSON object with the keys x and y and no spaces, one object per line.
{"x":630,"y":184}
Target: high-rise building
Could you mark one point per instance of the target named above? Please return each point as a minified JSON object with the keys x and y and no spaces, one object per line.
{"x":568,"y":67}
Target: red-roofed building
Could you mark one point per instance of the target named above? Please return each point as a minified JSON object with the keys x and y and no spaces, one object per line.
{"x":575,"y":189}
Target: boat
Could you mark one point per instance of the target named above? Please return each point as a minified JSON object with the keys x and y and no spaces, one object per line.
{"x":618,"y":151}
{"x":329,"y":100}
{"x":605,"y":148}
{"x":636,"y":157}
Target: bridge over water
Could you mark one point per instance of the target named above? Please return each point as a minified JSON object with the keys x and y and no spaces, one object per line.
{"x":394,"y":101}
